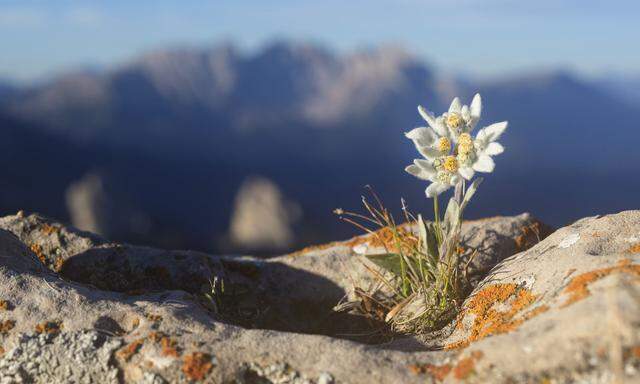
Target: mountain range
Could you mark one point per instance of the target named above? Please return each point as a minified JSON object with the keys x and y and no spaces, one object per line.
{"x":175,"y":132}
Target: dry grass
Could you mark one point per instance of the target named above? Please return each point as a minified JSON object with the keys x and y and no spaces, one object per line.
{"x":421,"y":279}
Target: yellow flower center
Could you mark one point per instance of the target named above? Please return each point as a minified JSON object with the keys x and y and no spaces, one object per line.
{"x":465,"y":148}
{"x":444,"y":177}
{"x":465,"y":144}
{"x":450,"y":164}
{"x":465,"y":138}
{"x":454,"y":120}
{"x":444,"y":145}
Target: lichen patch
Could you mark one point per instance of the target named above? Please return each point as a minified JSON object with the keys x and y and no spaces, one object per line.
{"x":49,"y":327}
{"x":438,"y":372}
{"x":496,"y":309}
{"x":197,"y":365}
{"x":5,"y":305}
{"x":464,"y":368}
{"x":635,"y":248}
{"x":126,"y":352}
{"x":6,"y":326}
{"x":578,"y":287}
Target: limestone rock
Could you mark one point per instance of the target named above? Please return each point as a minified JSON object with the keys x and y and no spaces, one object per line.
{"x":565,"y":310}
{"x":89,"y":205}
{"x":262,"y":218}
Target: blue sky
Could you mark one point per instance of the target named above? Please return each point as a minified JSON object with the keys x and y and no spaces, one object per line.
{"x":475,"y":37}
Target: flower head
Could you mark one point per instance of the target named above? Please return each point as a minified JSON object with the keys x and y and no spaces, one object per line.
{"x":450,"y":153}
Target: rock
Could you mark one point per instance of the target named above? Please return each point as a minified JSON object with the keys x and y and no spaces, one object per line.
{"x":262,"y":218}
{"x":89,"y":205}
{"x":531,"y":318}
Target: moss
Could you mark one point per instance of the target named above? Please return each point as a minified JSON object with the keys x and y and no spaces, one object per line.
{"x":125,"y":353}
{"x":578,"y":287}
{"x":6,"y":326}
{"x":49,"y":327}
{"x":490,"y":321}
{"x":197,"y":365}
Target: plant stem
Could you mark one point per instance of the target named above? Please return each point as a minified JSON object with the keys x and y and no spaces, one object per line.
{"x":436,"y":213}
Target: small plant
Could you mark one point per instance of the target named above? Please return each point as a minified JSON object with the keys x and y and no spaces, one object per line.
{"x":215,"y":294}
{"x":422,"y":276}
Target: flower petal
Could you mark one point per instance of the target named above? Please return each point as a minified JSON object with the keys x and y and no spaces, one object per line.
{"x":440,"y":128}
{"x":426,"y":166}
{"x":494,"y":131}
{"x":455,"y":106}
{"x":476,"y":108}
{"x":494,"y":148}
{"x":422,"y":136}
{"x":427,"y":116}
{"x":417,"y":172}
{"x":429,"y":152}
{"x":434,"y":189}
{"x":484,"y":164}
{"x":466,"y":172}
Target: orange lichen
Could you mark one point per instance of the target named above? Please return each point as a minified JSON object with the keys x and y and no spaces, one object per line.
{"x":6,"y":326}
{"x":388,"y":239}
{"x":489,"y":320}
{"x":49,"y":229}
{"x":125,"y":353}
{"x":154,"y":318}
{"x":57,"y":266}
{"x":197,"y":365}
{"x":1,"y":351}
{"x":5,"y":305}
{"x":438,"y":372}
{"x":578,"y":287}
{"x":49,"y":327}
{"x":320,"y":247}
{"x":635,"y":351}
{"x":37,"y":249}
{"x":466,"y":366}
{"x":634,"y":248}
{"x":530,"y":235}
{"x":463,"y":369}
{"x":169,"y":345}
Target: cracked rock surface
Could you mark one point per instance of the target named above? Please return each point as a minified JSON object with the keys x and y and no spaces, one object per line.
{"x":77,"y":308}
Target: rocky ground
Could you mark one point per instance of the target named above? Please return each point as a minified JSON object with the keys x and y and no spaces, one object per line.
{"x":76,"y":308}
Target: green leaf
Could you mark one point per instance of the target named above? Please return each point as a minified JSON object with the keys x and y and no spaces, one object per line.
{"x":388,"y":261}
{"x":452,"y":215}
{"x":432,"y":240}
{"x":470,"y":192}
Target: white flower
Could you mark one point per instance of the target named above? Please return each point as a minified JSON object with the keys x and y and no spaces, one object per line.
{"x":441,"y":179}
{"x":449,"y":149}
{"x":475,"y":154}
{"x":462,"y":118}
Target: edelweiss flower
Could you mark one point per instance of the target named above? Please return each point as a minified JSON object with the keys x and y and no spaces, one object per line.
{"x":442,"y":177}
{"x":475,"y":154}
{"x":449,"y":149}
